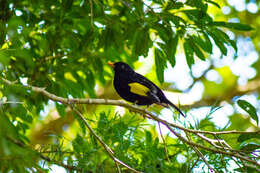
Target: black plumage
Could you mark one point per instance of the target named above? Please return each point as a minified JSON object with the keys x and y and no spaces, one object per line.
{"x":137,"y":89}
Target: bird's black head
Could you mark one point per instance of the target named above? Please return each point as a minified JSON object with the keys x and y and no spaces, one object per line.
{"x":120,"y":66}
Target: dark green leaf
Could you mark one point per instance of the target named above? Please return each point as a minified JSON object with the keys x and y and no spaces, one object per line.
{"x":244,"y":137}
{"x":214,"y":3}
{"x":208,"y":44}
{"x":226,"y":38}
{"x":237,"y":26}
{"x":188,"y":53}
{"x":160,"y":64}
{"x":81,"y":123}
{"x":171,"y":50}
{"x":219,"y":40}
{"x":249,"y":147}
{"x":4,"y":57}
{"x":61,"y":109}
{"x":200,"y":17}
{"x":173,"y":5}
{"x":246,"y":169}
{"x":142,"y":42}
{"x":148,"y":137}
{"x":196,"y":49}
{"x":246,"y":106}
{"x":103,"y":121}
{"x":91,"y":84}
{"x":233,"y":44}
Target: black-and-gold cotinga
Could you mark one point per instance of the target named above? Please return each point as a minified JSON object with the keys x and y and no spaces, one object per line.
{"x":137,"y":89}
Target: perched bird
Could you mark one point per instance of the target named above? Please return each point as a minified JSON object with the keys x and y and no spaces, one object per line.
{"x":137,"y":89}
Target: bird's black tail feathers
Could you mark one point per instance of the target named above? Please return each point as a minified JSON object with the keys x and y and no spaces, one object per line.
{"x":174,"y":106}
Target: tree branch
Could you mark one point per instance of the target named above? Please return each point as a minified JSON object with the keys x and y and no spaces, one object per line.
{"x":69,"y":167}
{"x":149,"y":115}
{"x":109,"y":150}
{"x":164,"y":143}
{"x":122,"y":104}
{"x":200,"y":155}
{"x":211,"y":149}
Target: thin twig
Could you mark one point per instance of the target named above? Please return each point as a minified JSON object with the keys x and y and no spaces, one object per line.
{"x":91,"y":12}
{"x":122,"y":104}
{"x":211,"y":149}
{"x":109,"y":150}
{"x":10,"y":102}
{"x":194,"y":164}
{"x":146,"y":114}
{"x":200,"y":154}
{"x":69,"y":167}
{"x":164,"y":143}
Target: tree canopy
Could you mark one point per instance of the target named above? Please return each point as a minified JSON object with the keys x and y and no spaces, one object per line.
{"x":58,"y":105}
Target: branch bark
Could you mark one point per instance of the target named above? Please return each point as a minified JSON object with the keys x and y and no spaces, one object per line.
{"x":170,"y":126}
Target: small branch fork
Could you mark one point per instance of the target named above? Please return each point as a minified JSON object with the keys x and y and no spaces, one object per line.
{"x":108,"y":150}
{"x":220,"y":146}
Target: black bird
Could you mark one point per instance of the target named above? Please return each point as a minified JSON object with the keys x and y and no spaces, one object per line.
{"x":137,"y":89}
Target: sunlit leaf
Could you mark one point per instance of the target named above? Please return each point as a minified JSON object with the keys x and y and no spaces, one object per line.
{"x":246,"y":106}
{"x":188,"y":53}
{"x":196,"y":49}
{"x":237,"y":26}
{"x":4,"y":57}
{"x":160,"y":63}
{"x":205,"y":43}
{"x":214,"y":3}
{"x":219,"y":40}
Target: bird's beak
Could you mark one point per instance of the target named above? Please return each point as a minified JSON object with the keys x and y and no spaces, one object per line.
{"x":111,"y":64}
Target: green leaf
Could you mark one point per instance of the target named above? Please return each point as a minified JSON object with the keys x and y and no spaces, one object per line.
{"x":249,"y":147}
{"x":61,"y":109}
{"x":142,"y":42}
{"x":244,"y":137}
{"x":233,"y":44}
{"x":81,"y":123}
{"x":91,"y":84}
{"x":196,"y":49}
{"x":171,"y":50}
{"x":103,"y":121}
{"x":208,"y":44}
{"x":246,"y":106}
{"x":148,"y":137}
{"x":245,"y":169}
{"x":226,"y":38}
{"x":188,"y":53}
{"x":219,"y":40}
{"x":214,"y":3}
{"x":160,"y":64}
{"x":204,"y":44}
{"x":4,"y":57}
{"x":173,"y":5}
{"x":231,"y":25}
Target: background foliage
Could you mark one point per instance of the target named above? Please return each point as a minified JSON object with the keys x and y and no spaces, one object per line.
{"x":63,"y":46}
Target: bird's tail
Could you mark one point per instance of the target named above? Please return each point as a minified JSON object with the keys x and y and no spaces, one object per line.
{"x":167,"y":102}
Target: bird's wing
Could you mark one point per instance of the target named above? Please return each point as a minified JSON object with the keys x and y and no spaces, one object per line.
{"x":138,"y":88}
{"x":146,"y":82}
{"x":144,"y":87}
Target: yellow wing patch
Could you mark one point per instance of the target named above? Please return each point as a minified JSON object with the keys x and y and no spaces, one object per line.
{"x":138,"y":89}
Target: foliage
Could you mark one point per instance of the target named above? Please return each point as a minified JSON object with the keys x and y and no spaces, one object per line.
{"x":63,"y":47}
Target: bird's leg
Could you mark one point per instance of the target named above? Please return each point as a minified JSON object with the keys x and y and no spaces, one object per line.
{"x":134,"y":103}
{"x":147,"y":106}
{"x":146,"y":109}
